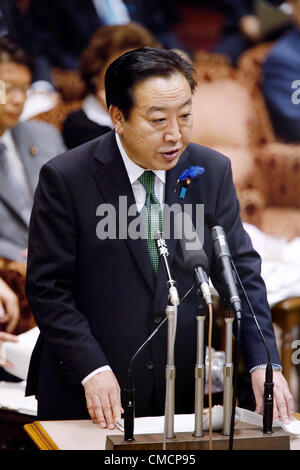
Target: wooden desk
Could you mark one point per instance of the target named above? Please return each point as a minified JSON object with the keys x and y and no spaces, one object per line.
{"x":84,"y":435}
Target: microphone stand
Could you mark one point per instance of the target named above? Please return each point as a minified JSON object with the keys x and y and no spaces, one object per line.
{"x":129,"y":391}
{"x":199,"y":369}
{"x":171,"y":313}
{"x":228,"y":374}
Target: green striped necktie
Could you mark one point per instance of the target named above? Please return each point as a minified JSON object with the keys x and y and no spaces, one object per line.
{"x":154,"y":216}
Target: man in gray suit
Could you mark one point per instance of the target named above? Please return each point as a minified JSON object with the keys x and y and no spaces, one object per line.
{"x":24,"y":148}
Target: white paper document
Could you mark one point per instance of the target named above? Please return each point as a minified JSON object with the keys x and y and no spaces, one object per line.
{"x":18,"y":354}
{"x":186,"y":423}
{"x":280,"y":264}
{"x":12,"y":397}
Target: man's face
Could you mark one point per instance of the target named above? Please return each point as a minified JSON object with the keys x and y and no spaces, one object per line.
{"x":16,"y":78}
{"x":159,"y":125}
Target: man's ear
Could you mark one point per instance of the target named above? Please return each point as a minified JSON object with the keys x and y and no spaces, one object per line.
{"x":117,"y":118}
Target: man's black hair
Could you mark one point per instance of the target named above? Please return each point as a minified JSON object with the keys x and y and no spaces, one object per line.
{"x":10,"y":51}
{"x":137,"y":65}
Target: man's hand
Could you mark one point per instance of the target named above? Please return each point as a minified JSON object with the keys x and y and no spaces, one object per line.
{"x":103,"y":400}
{"x":6,"y":337}
{"x":250,"y":27}
{"x":9,"y":307}
{"x":283,"y":400}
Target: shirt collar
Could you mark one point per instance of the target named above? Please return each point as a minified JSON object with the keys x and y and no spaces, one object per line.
{"x":6,"y":138}
{"x":134,"y":171}
{"x":95,"y":112}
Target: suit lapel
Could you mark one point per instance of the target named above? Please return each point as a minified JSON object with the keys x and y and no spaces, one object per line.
{"x":9,"y":198}
{"x":6,"y":191}
{"x":27,"y":152}
{"x":113,"y":182}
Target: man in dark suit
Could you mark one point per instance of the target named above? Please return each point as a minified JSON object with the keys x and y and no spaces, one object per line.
{"x":97,"y":291}
{"x":281,"y":72}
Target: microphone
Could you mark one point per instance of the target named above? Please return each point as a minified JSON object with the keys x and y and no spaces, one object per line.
{"x":129,"y":408}
{"x":268,"y":400}
{"x":129,"y":390}
{"x":163,"y":255}
{"x":195,"y":259}
{"x":222,"y":252}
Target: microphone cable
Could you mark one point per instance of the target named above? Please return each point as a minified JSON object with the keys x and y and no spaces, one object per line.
{"x":269,"y":364}
{"x":210,"y":325}
{"x":129,"y":386}
{"x":154,"y":332}
{"x":235,"y":377}
{"x":252,"y":312}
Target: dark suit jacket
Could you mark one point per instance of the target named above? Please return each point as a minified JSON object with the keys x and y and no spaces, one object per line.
{"x":96,"y":301}
{"x":62,"y":29}
{"x":78,"y":129}
{"x":158,"y":17}
{"x":281,"y":69}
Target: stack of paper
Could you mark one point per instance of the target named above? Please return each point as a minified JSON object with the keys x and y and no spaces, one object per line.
{"x":18,"y":354}
{"x":12,"y":397}
{"x":186,"y":423}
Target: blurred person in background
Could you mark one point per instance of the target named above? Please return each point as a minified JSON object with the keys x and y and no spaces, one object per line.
{"x":108,"y":42}
{"x":61,"y":29}
{"x":158,"y":17}
{"x":242,"y":28}
{"x":281,"y":71}
{"x":9,"y":309}
{"x":24,"y":148}
{"x":9,"y":317}
{"x":15,"y":22}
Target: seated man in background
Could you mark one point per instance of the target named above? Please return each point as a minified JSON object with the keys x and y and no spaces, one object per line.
{"x":242,"y":27}
{"x":282,"y":81}
{"x":24,"y":148}
{"x":93,"y":120}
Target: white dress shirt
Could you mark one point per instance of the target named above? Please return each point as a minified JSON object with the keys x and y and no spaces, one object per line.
{"x":95,"y":112}
{"x":112,"y":11}
{"x":134,"y":171}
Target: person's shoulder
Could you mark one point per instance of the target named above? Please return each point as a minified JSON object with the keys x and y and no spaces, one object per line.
{"x":74,"y":116}
{"x":39,"y":128}
{"x":208,"y":156}
{"x":286,"y":46}
{"x":79,"y":158}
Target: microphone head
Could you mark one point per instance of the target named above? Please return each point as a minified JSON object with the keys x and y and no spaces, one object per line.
{"x":211,"y":221}
{"x":194,"y":259}
{"x":191,"y":246}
